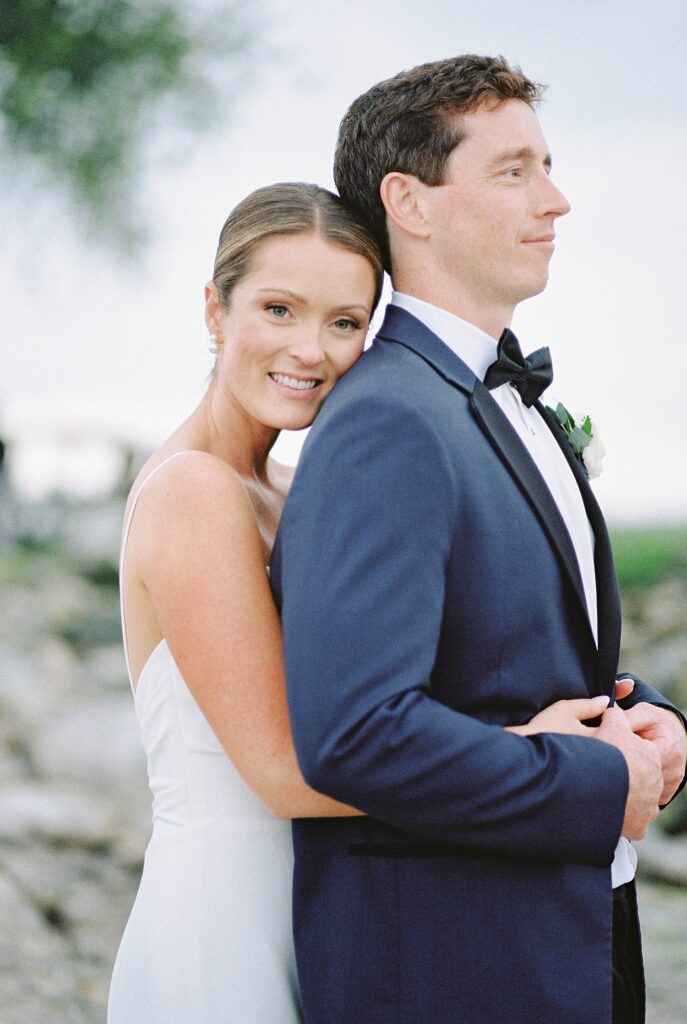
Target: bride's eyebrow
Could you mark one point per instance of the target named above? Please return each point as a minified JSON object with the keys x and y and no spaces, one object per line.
{"x":287,"y":293}
{"x":281,"y":291}
{"x":350,"y":308}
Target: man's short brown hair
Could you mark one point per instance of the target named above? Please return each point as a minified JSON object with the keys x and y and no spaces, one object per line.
{"x":411,"y":123}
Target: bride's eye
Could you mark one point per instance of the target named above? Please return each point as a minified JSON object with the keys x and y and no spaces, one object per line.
{"x":277,"y":310}
{"x":344,"y":323}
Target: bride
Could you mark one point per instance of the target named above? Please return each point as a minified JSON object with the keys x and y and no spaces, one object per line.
{"x":296,"y":280}
{"x":297,"y":277}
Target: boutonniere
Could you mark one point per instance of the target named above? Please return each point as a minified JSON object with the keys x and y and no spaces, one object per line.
{"x":587,"y":446}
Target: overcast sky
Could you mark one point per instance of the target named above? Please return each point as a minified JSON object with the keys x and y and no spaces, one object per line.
{"x":93,"y":345}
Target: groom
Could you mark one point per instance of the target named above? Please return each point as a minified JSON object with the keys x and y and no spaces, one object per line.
{"x":443,"y":571}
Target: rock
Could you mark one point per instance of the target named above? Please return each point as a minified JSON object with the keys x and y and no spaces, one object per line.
{"x":105,"y":667}
{"x":132,"y":815}
{"x":663,"y":859}
{"x":95,"y":741}
{"x":86,"y":895}
{"x":21,"y":695}
{"x":32,"y":687}
{"x":68,"y":908}
{"x":668,"y":660}
{"x":93,"y":622}
{"x":53,"y":811}
{"x":37,"y":979}
{"x":663,"y":916}
{"x":12,"y":765}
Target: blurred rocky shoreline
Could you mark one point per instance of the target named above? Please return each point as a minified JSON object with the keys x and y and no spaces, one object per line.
{"x":74,"y":804}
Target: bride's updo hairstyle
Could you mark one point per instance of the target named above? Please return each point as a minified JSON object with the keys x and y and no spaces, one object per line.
{"x":289,"y":208}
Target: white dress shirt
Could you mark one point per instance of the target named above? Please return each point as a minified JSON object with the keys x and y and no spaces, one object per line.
{"x":478,"y":351}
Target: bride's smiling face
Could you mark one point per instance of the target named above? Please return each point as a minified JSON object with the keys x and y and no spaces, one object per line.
{"x":296,"y":321}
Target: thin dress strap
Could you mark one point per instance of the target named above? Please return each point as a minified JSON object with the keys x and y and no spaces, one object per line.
{"x":125,"y":537}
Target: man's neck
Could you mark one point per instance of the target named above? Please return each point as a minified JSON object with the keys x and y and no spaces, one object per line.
{"x":476,"y":348}
{"x":489,"y":317}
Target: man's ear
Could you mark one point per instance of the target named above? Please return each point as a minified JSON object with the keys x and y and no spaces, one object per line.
{"x":402,"y":195}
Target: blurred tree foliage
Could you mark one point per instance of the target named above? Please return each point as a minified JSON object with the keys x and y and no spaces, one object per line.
{"x":84,"y":84}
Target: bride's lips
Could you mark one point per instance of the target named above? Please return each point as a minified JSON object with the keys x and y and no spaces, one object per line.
{"x":294,"y":385}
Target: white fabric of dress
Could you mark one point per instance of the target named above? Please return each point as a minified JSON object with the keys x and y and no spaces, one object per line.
{"x":209,"y":939}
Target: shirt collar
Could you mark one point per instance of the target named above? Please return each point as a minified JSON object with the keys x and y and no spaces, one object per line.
{"x":472,"y":345}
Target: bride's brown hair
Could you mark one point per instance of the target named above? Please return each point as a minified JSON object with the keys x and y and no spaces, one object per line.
{"x":289,"y":208}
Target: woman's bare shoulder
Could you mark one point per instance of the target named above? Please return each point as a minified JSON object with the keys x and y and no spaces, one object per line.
{"x":173,"y":473}
{"x":179,"y":490}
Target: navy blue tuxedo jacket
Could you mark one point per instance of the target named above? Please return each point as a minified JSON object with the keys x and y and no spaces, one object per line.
{"x":430,"y":595}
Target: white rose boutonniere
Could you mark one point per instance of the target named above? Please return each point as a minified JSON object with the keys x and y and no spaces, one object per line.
{"x":587,"y":446}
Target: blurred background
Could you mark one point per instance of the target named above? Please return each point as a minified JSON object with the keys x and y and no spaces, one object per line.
{"x":128,"y":130}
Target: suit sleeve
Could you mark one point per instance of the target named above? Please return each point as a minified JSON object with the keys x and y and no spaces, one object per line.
{"x":361,"y":566}
{"x":643,"y":692}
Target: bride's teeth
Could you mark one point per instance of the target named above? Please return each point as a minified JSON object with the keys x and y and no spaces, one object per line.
{"x":291,"y":382}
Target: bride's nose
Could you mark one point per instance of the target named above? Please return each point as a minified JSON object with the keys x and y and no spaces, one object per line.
{"x":308,"y":349}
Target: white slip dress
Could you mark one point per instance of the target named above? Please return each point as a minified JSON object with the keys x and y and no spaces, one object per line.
{"x":209,"y":939}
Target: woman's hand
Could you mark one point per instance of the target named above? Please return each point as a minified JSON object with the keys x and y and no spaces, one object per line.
{"x":623,"y":687}
{"x":566,"y":716}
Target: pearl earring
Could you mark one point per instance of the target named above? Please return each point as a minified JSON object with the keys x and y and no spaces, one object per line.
{"x":213,"y":347}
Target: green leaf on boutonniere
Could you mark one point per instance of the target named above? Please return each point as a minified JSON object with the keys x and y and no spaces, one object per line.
{"x":579,"y":439}
{"x":563,"y":417}
{"x":587,"y":426}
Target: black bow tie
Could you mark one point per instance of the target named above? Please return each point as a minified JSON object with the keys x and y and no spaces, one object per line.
{"x":529,"y":375}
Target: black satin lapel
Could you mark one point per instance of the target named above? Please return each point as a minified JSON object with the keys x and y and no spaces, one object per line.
{"x":608,"y":597}
{"x":403,"y":328}
{"x":521,"y":465}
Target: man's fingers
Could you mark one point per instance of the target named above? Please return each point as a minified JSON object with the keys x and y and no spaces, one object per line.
{"x":614,"y":718}
{"x":641,"y":716}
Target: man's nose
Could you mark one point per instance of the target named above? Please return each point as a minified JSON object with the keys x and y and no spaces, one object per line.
{"x":556,"y":202}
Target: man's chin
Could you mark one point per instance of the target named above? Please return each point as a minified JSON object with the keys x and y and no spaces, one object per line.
{"x":533,"y":287}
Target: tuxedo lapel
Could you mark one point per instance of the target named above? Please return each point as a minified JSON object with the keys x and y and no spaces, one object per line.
{"x":523,"y":468}
{"x":608,"y":598}
{"x":401,"y":327}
